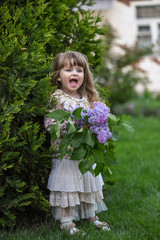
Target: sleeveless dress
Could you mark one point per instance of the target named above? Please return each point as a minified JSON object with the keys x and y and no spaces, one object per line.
{"x":68,"y":187}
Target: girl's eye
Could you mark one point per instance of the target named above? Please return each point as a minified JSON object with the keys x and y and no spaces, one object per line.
{"x":79,"y":70}
{"x":68,"y":69}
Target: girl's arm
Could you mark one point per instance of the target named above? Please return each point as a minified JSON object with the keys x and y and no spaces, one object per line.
{"x":48,"y":122}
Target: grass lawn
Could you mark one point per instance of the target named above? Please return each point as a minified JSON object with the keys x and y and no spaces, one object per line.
{"x":133,"y":202}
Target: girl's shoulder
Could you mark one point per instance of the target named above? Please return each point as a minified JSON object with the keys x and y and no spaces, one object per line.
{"x":60,"y":96}
{"x":57,"y":93}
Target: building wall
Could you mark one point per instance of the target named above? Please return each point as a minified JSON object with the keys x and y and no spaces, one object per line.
{"x":152,"y":22}
{"x":101,"y":4}
{"x":121,"y":18}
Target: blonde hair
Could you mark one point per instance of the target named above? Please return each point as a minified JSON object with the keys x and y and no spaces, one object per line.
{"x":75,"y":58}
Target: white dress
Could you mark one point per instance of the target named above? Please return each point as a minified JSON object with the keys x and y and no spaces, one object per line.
{"x":68,"y":187}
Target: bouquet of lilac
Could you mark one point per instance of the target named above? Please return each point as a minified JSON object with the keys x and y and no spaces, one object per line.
{"x":98,"y":120}
{"x":90,"y":136}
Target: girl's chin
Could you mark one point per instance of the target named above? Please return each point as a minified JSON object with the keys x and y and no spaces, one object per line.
{"x":73,"y":86}
{"x":70,"y":91}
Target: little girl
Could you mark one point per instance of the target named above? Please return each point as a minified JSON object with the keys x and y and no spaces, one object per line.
{"x":73,"y":195}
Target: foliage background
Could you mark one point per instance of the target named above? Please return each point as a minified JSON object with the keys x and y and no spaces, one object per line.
{"x":31,"y":34}
{"x":119,"y":70}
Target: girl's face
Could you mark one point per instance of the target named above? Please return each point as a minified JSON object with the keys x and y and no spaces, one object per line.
{"x":71,"y":78}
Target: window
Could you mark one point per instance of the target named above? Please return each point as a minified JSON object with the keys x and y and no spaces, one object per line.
{"x":144,"y":39}
{"x":158,"y":38}
{"x":148,"y":11}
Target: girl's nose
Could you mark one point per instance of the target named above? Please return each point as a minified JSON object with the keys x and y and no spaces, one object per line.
{"x":74,"y":72}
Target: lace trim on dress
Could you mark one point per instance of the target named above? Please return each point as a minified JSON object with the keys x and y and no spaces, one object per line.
{"x":71,"y":199}
{"x":82,"y":211}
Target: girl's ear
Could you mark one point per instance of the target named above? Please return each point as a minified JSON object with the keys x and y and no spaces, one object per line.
{"x":58,"y":79}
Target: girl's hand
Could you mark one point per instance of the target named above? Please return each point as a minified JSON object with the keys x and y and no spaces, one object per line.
{"x":63,"y":128}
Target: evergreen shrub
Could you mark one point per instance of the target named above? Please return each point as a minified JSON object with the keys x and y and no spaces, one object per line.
{"x":31,"y":34}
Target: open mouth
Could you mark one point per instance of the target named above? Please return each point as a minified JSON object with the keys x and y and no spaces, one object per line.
{"x":73,"y":82}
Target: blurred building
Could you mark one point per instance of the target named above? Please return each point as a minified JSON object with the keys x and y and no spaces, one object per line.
{"x":136,"y":22}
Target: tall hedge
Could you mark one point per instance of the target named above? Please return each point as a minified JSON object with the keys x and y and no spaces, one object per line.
{"x":32,"y":32}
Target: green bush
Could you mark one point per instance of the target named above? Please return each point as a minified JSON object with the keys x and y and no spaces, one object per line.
{"x":31,"y":34}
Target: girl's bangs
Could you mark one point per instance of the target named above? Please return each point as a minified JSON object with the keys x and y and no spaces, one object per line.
{"x":73,"y":60}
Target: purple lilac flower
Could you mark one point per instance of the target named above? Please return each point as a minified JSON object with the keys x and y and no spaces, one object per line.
{"x":102,"y":131}
{"x":99,"y":114}
{"x":80,"y":123}
{"x":98,"y":117}
{"x":97,"y":127}
{"x":104,"y":135}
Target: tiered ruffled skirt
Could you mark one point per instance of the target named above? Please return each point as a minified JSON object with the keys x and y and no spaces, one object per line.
{"x":82,"y":194}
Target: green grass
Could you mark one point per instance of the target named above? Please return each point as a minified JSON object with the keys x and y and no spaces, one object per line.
{"x":133,"y":202}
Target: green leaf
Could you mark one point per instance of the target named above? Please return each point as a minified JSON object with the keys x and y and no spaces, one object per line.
{"x":58,"y":129}
{"x":71,"y":127}
{"x":82,"y":167}
{"x":128,"y":126}
{"x":78,"y":153}
{"x":98,"y":155}
{"x":77,"y":113}
{"x":115,"y":135}
{"x":77,"y":140}
{"x":63,"y":151}
{"x":63,"y":147}
{"x":59,"y":114}
{"x":100,"y":146}
{"x":87,"y":165}
{"x":112,"y":118}
{"x":125,"y":121}
{"x":65,"y":140}
{"x":109,"y":157}
{"x":89,"y":138}
{"x":91,"y":160}
{"x":107,"y":171}
{"x":98,"y":169}
{"x":55,"y":131}
{"x":80,"y":130}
